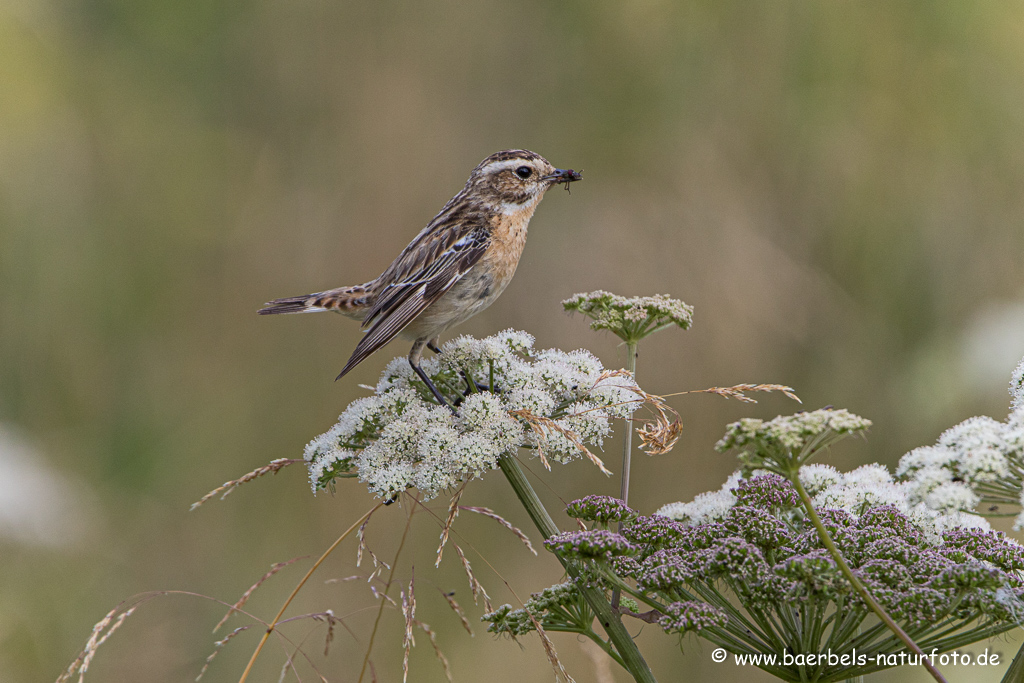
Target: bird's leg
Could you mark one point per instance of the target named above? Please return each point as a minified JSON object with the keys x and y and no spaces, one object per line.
{"x":432,"y":345}
{"x":472,"y":386}
{"x":433,"y":389}
{"x":414,"y":361}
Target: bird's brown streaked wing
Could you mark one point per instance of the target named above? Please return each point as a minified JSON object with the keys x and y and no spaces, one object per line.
{"x":431,"y":256}
{"x":450,"y":232}
{"x":400,"y":303}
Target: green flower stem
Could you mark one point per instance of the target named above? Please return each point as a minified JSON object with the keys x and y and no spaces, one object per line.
{"x":632,"y":660}
{"x":589,"y":633}
{"x":735,"y":639}
{"x":730,"y":638}
{"x":740,"y":634}
{"x":627,"y":452}
{"x":627,"y":438}
{"x":794,"y":477}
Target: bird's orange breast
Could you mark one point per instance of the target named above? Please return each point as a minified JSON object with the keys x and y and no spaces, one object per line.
{"x":508,"y":237}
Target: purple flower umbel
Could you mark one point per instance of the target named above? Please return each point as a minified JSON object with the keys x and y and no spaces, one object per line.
{"x":601,"y":509}
{"x":681,"y":617}
{"x":760,"y":576}
{"x":592,"y":545}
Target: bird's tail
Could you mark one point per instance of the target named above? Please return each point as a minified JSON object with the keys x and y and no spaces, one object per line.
{"x":350,"y":301}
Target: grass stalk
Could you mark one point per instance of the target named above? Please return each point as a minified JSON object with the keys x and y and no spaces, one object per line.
{"x":273,"y":624}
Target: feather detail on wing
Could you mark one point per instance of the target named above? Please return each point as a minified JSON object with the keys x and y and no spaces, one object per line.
{"x":399,"y":303}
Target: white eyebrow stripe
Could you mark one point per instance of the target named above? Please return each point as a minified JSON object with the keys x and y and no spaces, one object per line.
{"x":498,"y":166}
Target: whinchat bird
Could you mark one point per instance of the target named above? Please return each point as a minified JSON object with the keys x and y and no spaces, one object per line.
{"x":456,"y":267}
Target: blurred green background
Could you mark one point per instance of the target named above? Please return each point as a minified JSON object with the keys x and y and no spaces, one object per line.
{"x":836,"y":187}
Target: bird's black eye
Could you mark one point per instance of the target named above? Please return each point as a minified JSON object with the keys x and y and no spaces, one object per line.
{"x":524,"y":172}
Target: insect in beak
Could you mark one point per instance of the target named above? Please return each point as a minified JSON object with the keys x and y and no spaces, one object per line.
{"x":564,"y":175}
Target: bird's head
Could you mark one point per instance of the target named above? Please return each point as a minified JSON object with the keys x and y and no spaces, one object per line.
{"x":517,"y":176}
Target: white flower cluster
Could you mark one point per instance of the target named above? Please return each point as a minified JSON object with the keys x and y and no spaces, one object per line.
{"x":710,"y":506}
{"x":856,"y":492}
{"x":630,"y":318}
{"x":1017,"y":387}
{"x":400,"y":437}
{"x":602,"y":306}
{"x":791,"y":431}
{"x":978,"y":460}
{"x":872,"y":485}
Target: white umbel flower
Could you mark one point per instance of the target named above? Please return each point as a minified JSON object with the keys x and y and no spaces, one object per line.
{"x":855,"y":492}
{"x":1017,"y":386}
{"x":973,"y":433}
{"x":979,"y":461}
{"x":400,"y":438}
{"x":706,"y":507}
{"x":1018,"y":523}
{"x":952,"y":496}
{"x":864,"y":488}
{"x":817,"y":477}
{"x":926,"y":480}
{"x":984,"y":465}
{"x":925,"y":457}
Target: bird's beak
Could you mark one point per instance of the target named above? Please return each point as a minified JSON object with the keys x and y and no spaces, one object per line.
{"x":564,"y":175}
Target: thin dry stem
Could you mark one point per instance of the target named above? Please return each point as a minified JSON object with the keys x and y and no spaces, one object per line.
{"x":737,"y":391}
{"x":450,"y":597}
{"x":487,"y":512}
{"x":658,"y":435}
{"x":273,"y":624}
{"x":453,"y":512}
{"x":437,"y":650}
{"x":409,"y":612}
{"x":378,"y":564}
{"x":387,"y":587}
{"x":540,"y":426}
{"x":327,"y":616}
{"x":227,"y":487}
{"x":362,"y":545}
{"x":217,"y":647}
{"x":100,"y":633}
{"x":142,"y":598}
{"x":608,"y":374}
{"x":474,"y":585}
{"x":549,"y":650}
{"x":378,"y":595}
{"x":252,"y":589}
